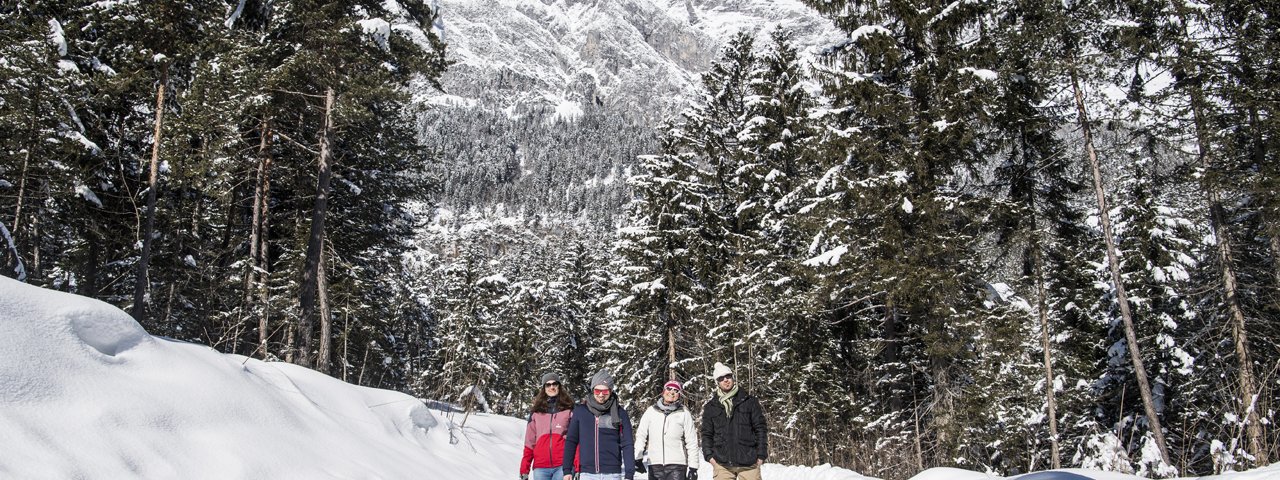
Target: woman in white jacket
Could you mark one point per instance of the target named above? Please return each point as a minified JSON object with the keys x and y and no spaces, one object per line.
{"x":667,"y":433}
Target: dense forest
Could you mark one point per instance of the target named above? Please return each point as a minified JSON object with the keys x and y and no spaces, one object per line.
{"x":1001,"y":235}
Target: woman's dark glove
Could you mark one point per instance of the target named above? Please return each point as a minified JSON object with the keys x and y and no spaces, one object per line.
{"x":693,"y":474}
{"x":640,"y":465}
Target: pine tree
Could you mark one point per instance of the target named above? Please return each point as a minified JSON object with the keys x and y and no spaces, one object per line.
{"x":910,"y":89}
{"x":39,"y":77}
{"x":661,"y":292}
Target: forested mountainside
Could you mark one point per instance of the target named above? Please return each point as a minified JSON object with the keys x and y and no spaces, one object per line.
{"x":1001,"y":235}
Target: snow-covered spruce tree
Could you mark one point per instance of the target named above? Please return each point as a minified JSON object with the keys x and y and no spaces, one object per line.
{"x":1246,"y":150}
{"x":37,"y":131}
{"x":532,"y":317}
{"x":653,"y":334}
{"x":1180,"y":79}
{"x":1083,"y":35}
{"x":353,"y":120}
{"x":911,"y":91}
{"x":712,"y":135}
{"x":1039,"y":232}
{"x":1160,"y":244}
{"x":581,"y":272}
{"x":466,"y":325}
{"x":1201,"y":94}
{"x":795,"y":349}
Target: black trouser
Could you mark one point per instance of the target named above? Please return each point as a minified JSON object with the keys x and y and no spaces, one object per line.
{"x":671,"y":471}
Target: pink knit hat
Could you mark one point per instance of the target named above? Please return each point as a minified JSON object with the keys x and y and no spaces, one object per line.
{"x":673,"y":384}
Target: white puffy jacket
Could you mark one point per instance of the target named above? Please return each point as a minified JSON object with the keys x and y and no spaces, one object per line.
{"x":670,"y":438}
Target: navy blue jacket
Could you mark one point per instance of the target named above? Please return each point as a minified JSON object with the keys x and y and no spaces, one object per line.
{"x":599,"y":449}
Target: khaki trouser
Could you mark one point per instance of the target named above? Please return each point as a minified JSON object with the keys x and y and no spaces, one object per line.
{"x":739,"y":473}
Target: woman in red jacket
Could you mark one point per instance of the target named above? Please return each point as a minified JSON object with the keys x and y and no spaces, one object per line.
{"x":544,"y":436}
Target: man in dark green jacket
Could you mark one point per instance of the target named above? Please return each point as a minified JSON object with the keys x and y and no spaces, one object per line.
{"x":735,"y":437}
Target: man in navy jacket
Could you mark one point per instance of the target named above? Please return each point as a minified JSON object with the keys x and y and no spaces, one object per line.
{"x":600,"y":435}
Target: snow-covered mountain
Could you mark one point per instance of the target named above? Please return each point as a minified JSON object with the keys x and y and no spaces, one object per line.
{"x":561,"y":56}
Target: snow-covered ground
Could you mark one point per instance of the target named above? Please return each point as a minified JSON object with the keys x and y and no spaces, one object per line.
{"x":85,"y":393}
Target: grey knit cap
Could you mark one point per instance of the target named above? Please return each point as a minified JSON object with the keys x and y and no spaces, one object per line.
{"x":602,"y":377}
{"x":551,"y":377}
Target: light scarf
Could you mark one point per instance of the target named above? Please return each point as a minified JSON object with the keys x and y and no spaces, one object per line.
{"x":726,"y":399}
{"x":665,"y":408}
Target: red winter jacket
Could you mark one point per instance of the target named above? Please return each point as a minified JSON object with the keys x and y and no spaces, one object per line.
{"x":544,"y":441}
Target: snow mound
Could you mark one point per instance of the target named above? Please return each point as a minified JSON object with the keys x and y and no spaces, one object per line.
{"x":86,"y":393}
{"x":110,"y":335}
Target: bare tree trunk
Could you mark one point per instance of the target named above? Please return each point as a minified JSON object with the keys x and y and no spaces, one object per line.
{"x":257,"y":245}
{"x":1050,"y":396}
{"x":326,"y":318}
{"x":1275,"y":265}
{"x":22,"y":188}
{"x":91,"y":265}
{"x":346,"y":340}
{"x":141,"y":281}
{"x":665,"y":316}
{"x":17,"y":211}
{"x":311,"y":282}
{"x":32,"y":143}
{"x":1135,"y":355}
{"x":36,"y":261}
{"x":264,"y":277}
{"x":291,"y":333}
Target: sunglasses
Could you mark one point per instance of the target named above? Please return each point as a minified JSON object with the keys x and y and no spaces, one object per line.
{"x":724,"y":377}
{"x":551,"y":384}
{"x":672,"y":389}
{"x":600,"y":391}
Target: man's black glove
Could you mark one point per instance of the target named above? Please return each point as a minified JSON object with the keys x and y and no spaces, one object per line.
{"x":693,"y":474}
{"x":640,"y":465}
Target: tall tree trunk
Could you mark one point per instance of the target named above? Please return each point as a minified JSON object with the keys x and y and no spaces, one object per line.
{"x":326,"y":318}
{"x":1275,"y":265}
{"x":1209,"y":183}
{"x":254,"y":277}
{"x":346,"y":340}
{"x":264,"y":277}
{"x":141,"y":280}
{"x":664,"y":315}
{"x":33,"y":138}
{"x":315,"y":241}
{"x":1135,"y":355}
{"x":91,"y":264}
{"x":1050,"y":396}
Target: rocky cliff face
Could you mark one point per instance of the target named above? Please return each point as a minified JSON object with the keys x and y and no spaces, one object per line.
{"x":559,"y":57}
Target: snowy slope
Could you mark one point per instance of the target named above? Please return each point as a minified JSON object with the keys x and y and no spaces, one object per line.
{"x":563,"y":55}
{"x":85,"y":393}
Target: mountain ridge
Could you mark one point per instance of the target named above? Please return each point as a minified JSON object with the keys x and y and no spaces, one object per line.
{"x":557,"y":57}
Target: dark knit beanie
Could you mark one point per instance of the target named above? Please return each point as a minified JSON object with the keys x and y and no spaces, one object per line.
{"x":602,"y":377}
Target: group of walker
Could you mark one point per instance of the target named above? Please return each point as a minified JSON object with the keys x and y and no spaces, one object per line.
{"x":593,"y":440}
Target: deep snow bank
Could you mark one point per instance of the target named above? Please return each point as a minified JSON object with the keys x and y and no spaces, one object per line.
{"x":86,"y":393}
